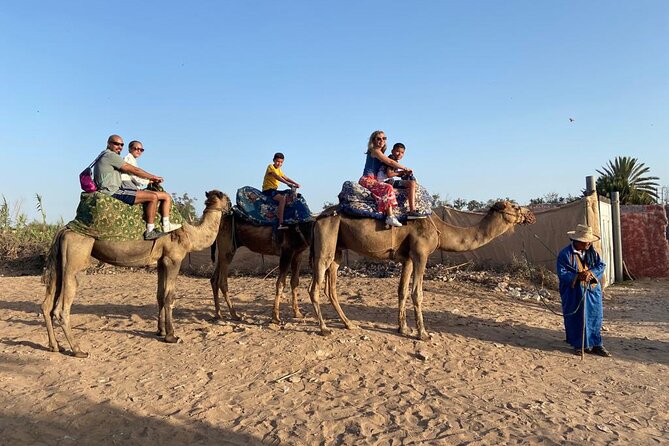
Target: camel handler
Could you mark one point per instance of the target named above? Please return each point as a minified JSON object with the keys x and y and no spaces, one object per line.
{"x":580,"y":270}
{"x":107,"y":177}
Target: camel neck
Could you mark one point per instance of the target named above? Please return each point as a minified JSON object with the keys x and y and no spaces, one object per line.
{"x":459,"y":239}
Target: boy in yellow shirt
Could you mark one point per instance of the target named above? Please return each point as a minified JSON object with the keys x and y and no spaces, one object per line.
{"x":270,"y":185}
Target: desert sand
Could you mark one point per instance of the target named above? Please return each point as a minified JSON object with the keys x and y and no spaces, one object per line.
{"x":495,"y":371}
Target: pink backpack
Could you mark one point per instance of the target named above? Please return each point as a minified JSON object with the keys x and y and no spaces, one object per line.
{"x":86,"y":176}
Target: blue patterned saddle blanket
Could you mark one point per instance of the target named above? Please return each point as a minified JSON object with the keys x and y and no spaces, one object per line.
{"x":260,"y":209}
{"x":357,"y":200}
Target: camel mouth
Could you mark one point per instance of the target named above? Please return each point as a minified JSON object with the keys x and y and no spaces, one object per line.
{"x":528,"y":218}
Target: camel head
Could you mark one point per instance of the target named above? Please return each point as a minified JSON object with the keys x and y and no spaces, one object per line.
{"x":217,"y":200}
{"x":514,"y":214}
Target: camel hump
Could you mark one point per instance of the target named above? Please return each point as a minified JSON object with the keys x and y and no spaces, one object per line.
{"x":258,"y":208}
{"x":358,"y":201}
{"x":105,"y":218}
{"x":329,"y":211}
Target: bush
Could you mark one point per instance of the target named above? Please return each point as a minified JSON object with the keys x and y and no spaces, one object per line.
{"x":23,"y":245}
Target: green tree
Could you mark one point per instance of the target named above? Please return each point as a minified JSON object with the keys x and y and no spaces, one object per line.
{"x":628,"y":177}
{"x":475,"y":206}
{"x":186,"y":206}
{"x":553,"y":198}
{"x":438,"y":202}
{"x":459,"y":203}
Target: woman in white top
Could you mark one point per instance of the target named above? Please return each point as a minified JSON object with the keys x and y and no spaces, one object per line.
{"x":135,"y":149}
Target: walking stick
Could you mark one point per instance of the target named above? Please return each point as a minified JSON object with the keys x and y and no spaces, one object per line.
{"x":583,"y":331}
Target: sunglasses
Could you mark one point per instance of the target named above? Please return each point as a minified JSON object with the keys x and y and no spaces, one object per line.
{"x":141,"y":149}
{"x":114,"y":143}
{"x":379,"y":138}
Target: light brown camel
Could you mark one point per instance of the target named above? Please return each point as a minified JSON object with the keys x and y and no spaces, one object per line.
{"x":289,"y":245}
{"x":410,"y":244}
{"x":71,"y":252}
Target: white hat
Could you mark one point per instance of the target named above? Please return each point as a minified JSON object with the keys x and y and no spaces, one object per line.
{"x":583,"y":233}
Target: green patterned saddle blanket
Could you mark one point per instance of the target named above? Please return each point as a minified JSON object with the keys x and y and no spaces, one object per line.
{"x":105,"y":218}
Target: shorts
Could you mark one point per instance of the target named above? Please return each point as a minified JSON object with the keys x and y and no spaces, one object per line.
{"x":273,"y":192}
{"x":126,"y":195}
{"x":399,"y":184}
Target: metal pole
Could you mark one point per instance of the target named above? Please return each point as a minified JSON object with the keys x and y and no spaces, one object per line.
{"x":617,"y":239}
{"x":590,"y":185}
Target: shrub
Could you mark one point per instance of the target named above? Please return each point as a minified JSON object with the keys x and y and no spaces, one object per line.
{"x":24,"y":245}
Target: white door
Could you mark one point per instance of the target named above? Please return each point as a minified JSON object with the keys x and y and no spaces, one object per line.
{"x":607,"y":241}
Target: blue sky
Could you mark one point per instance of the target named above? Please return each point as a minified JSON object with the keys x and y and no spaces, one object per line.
{"x":480,"y":92}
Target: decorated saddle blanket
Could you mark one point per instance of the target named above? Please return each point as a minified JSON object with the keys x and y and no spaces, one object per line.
{"x":357,"y":200}
{"x":260,"y":209}
{"x":106,"y":218}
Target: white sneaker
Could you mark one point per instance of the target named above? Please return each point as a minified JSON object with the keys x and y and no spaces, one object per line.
{"x":391,"y":220}
{"x":172,"y":227}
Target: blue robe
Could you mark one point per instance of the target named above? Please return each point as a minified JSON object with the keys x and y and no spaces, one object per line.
{"x":571,"y":291}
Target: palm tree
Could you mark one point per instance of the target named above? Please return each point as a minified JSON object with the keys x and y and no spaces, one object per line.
{"x":625,"y":175}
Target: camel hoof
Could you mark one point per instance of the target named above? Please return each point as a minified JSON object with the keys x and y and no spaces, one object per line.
{"x":81,"y":355}
{"x":171,"y":339}
{"x":299,"y":315}
{"x":423,"y":336}
{"x":235,"y":317}
{"x":326,"y":331}
{"x":404,"y":331}
{"x":56,"y":349}
{"x":276,"y":321}
{"x":351,"y":326}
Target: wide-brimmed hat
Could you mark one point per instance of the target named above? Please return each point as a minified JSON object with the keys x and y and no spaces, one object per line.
{"x":583,"y":233}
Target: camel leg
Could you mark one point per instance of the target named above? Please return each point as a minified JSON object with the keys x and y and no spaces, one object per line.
{"x":221,"y":275}
{"x":76,"y":252}
{"x":417,"y":297}
{"x":160,"y":297}
{"x":224,"y":289}
{"x":403,"y":294}
{"x":324,"y":249}
{"x":47,"y":309}
{"x":214,"y":291}
{"x":314,"y":294}
{"x":53,"y":281}
{"x":171,"y":272}
{"x":295,"y":283}
{"x":285,"y":259}
{"x":331,"y":291}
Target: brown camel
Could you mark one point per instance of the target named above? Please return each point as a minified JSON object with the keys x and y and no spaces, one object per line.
{"x":289,"y":245}
{"x":71,"y":252}
{"x":410,"y":244}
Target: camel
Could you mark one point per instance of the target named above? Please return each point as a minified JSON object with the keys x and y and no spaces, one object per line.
{"x":70,"y":253}
{"x":410,"y":244}
{"x":289,"y":245}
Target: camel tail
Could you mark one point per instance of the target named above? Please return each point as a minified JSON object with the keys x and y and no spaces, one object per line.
{"x":50,"y":276}
{"x":213,"y":252}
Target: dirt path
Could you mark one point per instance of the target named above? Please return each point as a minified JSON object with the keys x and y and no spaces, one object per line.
{"x":496,"y":370}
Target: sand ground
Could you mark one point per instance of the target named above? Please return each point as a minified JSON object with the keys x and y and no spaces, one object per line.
{"x":495,"y":371}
